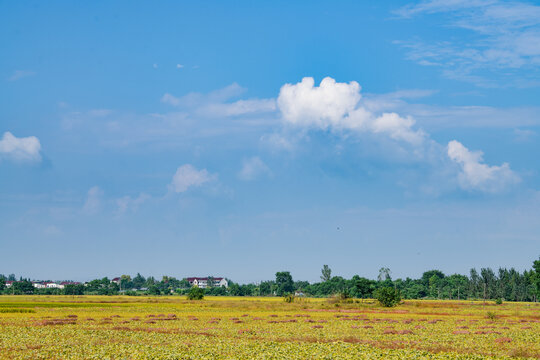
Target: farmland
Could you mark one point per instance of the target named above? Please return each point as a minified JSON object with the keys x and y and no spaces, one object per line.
{"x":93,"y":327}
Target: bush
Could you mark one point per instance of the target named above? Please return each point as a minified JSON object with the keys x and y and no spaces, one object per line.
{"x":498,"y":301}
{"x":289,"y":298}
{"x":195,"y":293}
{"x":388,"y":296}
{"x":153,"y":290}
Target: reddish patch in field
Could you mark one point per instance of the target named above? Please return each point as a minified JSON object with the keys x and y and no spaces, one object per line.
{"x":405,"y":332}
{"x":272,"y":315}
{"x":419,"y":327}
{"x":322,"y":321}
{"x":462,"y":327}
{"x":317,"y":327}
{"x":367,"y":327}
{"x":457,"y":332}
{"x":502,"y":340}
{"x":238,"y":322}
{"x":57,"y":322}
{"x":526,"y":327}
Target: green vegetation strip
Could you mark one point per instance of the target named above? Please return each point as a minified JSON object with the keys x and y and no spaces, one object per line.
{"x":9,"y":310}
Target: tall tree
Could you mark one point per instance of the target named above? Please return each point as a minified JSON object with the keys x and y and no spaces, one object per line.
{"x":384,"y":274}
{"x":326,"y":273}
{"x":284,"y":282}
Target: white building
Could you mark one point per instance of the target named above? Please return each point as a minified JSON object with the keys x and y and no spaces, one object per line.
{"x":39,"y":285}
{"x":202,"y":282}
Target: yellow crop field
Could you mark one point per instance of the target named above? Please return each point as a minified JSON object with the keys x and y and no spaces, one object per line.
{"x":119,"y":327}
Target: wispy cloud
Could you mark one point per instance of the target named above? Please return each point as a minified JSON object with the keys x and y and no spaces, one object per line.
{"x":93,"y":200}
{"x":20,"y":74}
{"x":253,"y":168}
{"x":503,"y":51}
{"x":187,"y":176}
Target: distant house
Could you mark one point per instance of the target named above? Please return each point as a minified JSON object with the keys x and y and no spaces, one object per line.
{"x":116,"y":280}
{"x":64,"y":283}
{"x":38,"y":285}
{"x":202,"y":282}
{"x":52,"y":285}
{"x":9,"y":283}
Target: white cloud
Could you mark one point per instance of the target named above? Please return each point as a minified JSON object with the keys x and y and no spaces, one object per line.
{"x":398,"y":128}
{"x":179,"y":66}
{"x":324,"y":106}
{"x":336,"y":106}
{"x":93,"y":200}
{"x":252,"y":168}
{"x":187,"y":176}
{"x":19,"y":74}
{"x":475,"y":175}
{"x":127,"y":203}
{"x":20,"y":149}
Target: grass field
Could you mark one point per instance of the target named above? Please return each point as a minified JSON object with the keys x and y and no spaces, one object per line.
{"x":93,"y":327}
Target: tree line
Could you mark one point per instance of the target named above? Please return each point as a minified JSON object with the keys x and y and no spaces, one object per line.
{"x":504,"y":284}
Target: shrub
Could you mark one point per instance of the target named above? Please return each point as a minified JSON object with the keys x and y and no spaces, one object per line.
{"x":498,"y":301}
{"x":195,"y":293}
{"x":289,"y":298}
{"x":491,"y":315}
{"x":388,"y":296}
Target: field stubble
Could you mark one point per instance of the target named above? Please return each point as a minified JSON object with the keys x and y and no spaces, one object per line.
{"x":93,"y":327}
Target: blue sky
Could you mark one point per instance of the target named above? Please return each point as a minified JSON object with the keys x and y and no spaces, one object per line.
{"x":240,"y":138}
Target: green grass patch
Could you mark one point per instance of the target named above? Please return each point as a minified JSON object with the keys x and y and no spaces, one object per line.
{"x":11,"y":310}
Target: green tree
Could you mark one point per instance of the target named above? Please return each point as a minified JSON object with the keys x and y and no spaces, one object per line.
{"x":195,"y":293}
{"x":536,"y":277}
{"x":326,"y":273}
{"x":284,"y":282}
{"x":153,"y":290}
{"x":125,"y":282}
{"x":74,"y":289}
{"x":138,"y":281}
{"x":23,"y":287}
{"x":388,"y":296}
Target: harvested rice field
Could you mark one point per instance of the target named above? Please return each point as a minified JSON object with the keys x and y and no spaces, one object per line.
{"x":119,"y":327}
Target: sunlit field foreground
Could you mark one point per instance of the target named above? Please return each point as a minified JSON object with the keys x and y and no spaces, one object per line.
{"x":94,"y":327}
